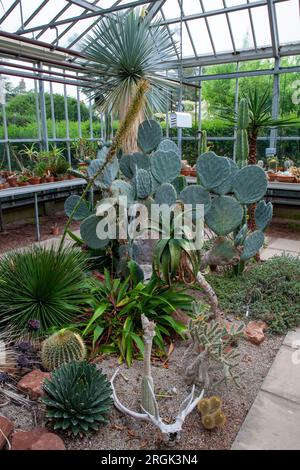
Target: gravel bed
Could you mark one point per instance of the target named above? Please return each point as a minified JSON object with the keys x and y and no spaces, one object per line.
{"x":123,"y":432}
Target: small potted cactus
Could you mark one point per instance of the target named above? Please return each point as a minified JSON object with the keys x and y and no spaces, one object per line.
{"x":23,"y":180}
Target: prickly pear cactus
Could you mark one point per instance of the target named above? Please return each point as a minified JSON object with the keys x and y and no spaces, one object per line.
{"x":179,"y":183}
{"x":212,"y":170}
{"x":165,"y":166}
{"x":88,"y":232}
{"x":225,"y":215}
{"x":194,"y":195}
{"x":226,"y":186}
{"x":166,"y":194}
{"x":263,"y":214}
{"x":252,"y":244}
{"x":143,"y":183}
{"x":149,"y":136}
{"x":82,"y":212}
{"x":250,"y":184}
{"x":139,"y":161}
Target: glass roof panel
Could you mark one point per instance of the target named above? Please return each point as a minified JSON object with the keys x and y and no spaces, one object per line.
{"x":191,"y":7}
{"x":171,"y":9}
{"x":288,"y":20}
{"x":220,"y":33}
{"x":200,"y":36}
{"x":210,"y":5}
{"x":241,"y":29}
{"x":261,"y":26}
{"x":233,"y":3}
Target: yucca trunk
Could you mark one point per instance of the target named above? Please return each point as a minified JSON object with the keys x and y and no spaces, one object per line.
{"x":129,"y":144}
{"x":132,"y":115}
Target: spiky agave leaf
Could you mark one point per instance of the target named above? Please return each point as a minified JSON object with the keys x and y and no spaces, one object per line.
{"x":42,"y":284}
{"x":78,"y":398}
{"x":123,"y":49}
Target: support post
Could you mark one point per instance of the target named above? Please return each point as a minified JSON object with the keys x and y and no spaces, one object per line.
{"x":236,"y":108}
{"x":275,"y":102}
{"x":36,"y":215}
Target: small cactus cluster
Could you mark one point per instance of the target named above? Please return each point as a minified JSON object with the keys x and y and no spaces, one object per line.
{"x":61,"y":348}
{"x":153,"y":176}
{"x":214,"y":341}
{"x":212,"y":415}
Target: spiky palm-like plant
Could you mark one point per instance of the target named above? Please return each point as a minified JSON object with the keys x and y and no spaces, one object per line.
{"x":122,"y":50}
{"x":41,"y":284}
{"x":260,"y":117}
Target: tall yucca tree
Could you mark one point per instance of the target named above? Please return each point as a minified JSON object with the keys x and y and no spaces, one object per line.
{"x":124,"y":55}
{"x":121,"y":51}
{"x":260,"y":117}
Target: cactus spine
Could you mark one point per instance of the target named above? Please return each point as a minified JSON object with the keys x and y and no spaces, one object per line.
{"x":242,"y":146}
{"x":62,"y":347}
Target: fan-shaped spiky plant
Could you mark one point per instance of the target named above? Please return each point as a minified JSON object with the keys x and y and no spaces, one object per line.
{"x":122,"y":50}
{"x":78,"y":397}
{"x":41,"y":284}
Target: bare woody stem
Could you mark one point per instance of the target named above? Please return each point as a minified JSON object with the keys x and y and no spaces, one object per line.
{"x":132,"y":114}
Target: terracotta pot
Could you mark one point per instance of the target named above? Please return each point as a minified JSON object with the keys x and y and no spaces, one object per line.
{"x":49,"y":179}
{"x":61,"y":178}
{"x":285,"y":178}
{"x":185,"y":172}
{"x":35,"y":180}
{"x":22,"y":183}
{"x":71,"y":177}
{"x":83,"y":164}
{"x":6,"y":174}
{"x":272,"y":176}
{"x":5,"y":185}
{"x":12,"y":181}
{"x":193,"y":172}
{"x":297,"y":180}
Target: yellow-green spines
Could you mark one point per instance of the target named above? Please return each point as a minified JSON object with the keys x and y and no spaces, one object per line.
{"x":212,"y":415}
{"x":62,"y":347}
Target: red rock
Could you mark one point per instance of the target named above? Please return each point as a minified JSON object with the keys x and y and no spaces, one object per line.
{"x":48,"y":441}
{"x":23,"y":440}
{"x":254,"y":331}
{"x":6,"y":427}
{"x":32,"y":384}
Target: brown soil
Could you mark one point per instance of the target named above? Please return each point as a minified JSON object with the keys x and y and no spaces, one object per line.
{"x":124,"y":432}
{"x":21,"y":234}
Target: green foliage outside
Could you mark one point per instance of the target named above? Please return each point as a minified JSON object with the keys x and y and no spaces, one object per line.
{"x":269,"y":291}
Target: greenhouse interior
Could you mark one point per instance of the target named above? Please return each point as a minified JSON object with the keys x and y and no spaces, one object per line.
{"x":149,"y":227}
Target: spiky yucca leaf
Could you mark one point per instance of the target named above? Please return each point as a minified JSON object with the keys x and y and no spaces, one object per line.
{"x":42,"y":284}
{"x":78,"y":398}
{"x":123,"y":49}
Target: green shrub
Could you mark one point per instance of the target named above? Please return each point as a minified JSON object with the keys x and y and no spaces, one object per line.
{"x":269,"y":291}
{"x":78,"y":398}
{"x":42,"y":284}
{"x":118,"y":306}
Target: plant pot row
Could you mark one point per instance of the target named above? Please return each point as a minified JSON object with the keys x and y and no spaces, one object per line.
{"x":12,"y":181}
{"x":283,"y":178}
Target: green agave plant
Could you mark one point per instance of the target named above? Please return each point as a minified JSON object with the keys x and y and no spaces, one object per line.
{"x":78,"y":398}
{"x":42,"y":284}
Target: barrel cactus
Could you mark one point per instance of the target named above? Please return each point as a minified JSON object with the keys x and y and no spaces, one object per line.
{"x":62,"y":347}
